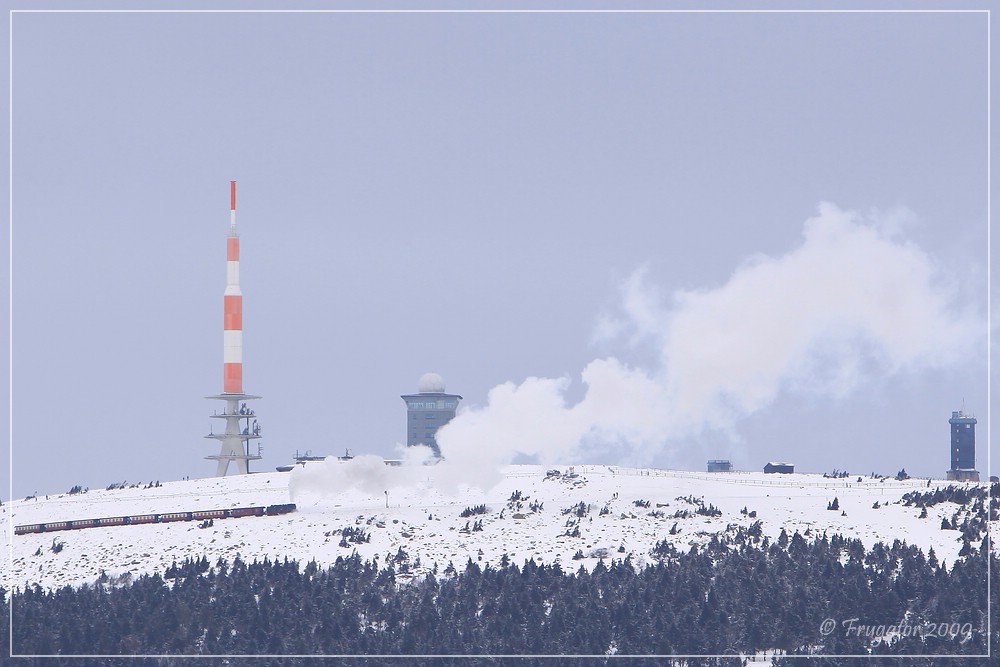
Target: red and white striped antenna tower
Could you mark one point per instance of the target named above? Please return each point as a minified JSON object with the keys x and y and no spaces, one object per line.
{"x":236,"y":440}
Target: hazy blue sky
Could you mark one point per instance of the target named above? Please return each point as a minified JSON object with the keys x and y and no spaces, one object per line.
{"x":470,"y":194}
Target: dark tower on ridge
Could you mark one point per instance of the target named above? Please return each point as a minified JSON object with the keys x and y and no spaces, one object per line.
{"x":963,"y":448}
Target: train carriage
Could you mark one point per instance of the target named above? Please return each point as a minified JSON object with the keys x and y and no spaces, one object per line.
{"x":141,"y":518}
{"x":112,"y":521}
{"x":175,"y":516}
{"x":83,"y":523}
{"x":237,"y":512}
{"x":208,"y":514}
{"x":56,"y":525}
{"x":29,"y":528}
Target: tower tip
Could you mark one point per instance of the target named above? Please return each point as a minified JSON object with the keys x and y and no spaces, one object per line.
{"x":232,"y":195}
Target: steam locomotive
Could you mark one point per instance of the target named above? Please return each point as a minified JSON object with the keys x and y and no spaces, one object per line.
{"x":137,"y":519}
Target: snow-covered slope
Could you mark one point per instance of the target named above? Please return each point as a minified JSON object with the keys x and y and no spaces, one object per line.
{"x":425,"y":522}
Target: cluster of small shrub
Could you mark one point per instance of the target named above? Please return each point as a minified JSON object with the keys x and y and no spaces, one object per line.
{"x":581,"y":509}
{"x":709,"y":510}
{"x":353,"y":535}
{"x":114,"y":486}
{"x":472,"y":511}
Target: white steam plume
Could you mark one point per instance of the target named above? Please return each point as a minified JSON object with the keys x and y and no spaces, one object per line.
{"x":852,"y":301}
{"x":365,"y":474}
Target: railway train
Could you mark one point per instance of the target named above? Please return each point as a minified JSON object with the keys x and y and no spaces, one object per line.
{"x":138,"y":519}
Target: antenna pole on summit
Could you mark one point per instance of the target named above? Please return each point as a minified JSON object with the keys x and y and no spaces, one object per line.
{"x":235,"y":441}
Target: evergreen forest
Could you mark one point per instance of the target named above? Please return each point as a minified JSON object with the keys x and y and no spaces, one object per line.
{"x":739,"y":593}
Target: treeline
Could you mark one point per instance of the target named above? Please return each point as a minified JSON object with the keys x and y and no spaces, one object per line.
{"x":961,"y":494}
{"x":740,"y":593}
{"x":970,"y":518}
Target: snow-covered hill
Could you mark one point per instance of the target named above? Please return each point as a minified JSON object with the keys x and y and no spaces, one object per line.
{"x":541,"y":523}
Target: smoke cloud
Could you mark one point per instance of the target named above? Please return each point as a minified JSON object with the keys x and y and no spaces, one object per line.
{"x":367,"y":474}
{"x":853,"y":301}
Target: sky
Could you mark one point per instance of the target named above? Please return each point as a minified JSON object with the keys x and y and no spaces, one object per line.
{"x":640,"y":239}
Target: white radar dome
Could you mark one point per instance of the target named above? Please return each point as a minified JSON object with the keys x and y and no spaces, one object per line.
{"x":431,"y":383}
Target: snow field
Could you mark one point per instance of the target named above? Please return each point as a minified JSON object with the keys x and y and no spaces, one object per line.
{"x":424,"y":521}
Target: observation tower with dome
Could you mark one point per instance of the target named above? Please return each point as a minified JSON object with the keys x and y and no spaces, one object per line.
{"x":428,"y":410}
